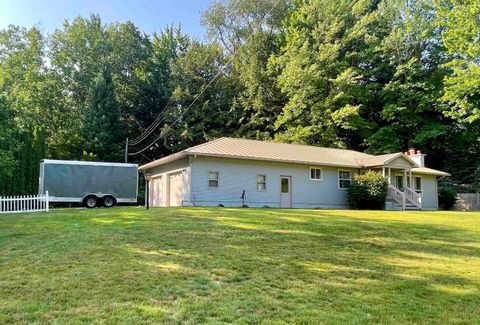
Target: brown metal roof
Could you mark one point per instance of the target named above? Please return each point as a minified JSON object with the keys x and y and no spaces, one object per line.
{"x":286,"y":152}
{"x":429,"y":171}
{"x":382,"y":160}
{"x":276,"y":151}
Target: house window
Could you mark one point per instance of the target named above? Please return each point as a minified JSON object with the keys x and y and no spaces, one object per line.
{"x":418,"y":184}
{"x":344,"y":179}
{"x":315,"y":174}
{"x":212,"y":179}
{"x":261,"y":182}
{"x":285,"y":187}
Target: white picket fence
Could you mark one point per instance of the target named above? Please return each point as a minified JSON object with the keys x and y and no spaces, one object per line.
{"x":24,"y":203}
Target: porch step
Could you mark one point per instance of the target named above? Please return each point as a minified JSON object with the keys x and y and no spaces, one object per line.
{"x":395,"y":206}
{"x":410,"y":207}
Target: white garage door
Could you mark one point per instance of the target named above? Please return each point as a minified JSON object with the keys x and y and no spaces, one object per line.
{"x":156,"y":192}
{"x":176,"y":184}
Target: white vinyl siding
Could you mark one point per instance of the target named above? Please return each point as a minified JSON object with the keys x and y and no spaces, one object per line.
{"x":237,"y":175}
{"x":429,"y":192}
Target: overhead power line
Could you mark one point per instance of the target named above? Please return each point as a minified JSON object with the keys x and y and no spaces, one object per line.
{"x":211,"y":81}
{"x":234,"y":4}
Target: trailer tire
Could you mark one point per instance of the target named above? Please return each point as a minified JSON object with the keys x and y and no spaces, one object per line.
{"x":90,"y":201}
{"x":109,"y":201}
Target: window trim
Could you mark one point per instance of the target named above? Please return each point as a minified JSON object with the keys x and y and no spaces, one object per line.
{"x":310,"y":174}
{"x":208,"y":179}
{"x":264,"y":182}
{"x":344,"y":179}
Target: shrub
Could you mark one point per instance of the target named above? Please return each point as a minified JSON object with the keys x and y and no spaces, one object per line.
{"x":447,"y":197}
{"x":368,"y":191}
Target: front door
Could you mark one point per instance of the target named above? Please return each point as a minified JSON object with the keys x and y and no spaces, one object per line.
{"x":399,"y":182}
{"x":285,"y":192}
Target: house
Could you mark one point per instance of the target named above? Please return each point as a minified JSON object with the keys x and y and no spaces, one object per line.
{"x":283,"y":175}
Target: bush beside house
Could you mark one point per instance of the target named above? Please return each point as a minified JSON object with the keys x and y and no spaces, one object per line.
{"x":447,"y":197}
{"x":368,"y":191}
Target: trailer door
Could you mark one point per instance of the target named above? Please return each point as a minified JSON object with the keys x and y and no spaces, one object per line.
{"x":175,"y":189}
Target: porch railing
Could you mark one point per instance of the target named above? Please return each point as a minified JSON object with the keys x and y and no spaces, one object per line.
{"x":396,"y":195}
{"x":413,"y":197}
{"x":402,"y":197}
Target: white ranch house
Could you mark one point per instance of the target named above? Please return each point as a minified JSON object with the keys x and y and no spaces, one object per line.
{"x":283,"y":175}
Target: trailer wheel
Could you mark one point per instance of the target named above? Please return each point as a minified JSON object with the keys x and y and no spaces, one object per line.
{"x":90,"y":202}
{"x":109,"y":201}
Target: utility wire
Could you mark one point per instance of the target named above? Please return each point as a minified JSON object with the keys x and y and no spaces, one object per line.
{"x":152,"y":126}
{"x":211,"y":81}
{"x":161,"y":116}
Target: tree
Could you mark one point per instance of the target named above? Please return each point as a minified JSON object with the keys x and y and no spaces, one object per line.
{"x":410,"y":114}
{"x":102,"y":129}
{"x":239,"y":29}
{"x":330,"y":72}
{"x":130,"y":57}
{"x":461,"y":29}
{"x":7,"y":144}
{"x":167,"y":47}
{"x":78,"y":52}
{"x":202,"y":97}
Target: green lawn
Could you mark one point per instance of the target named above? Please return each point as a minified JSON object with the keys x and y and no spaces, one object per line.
{"x":245,"y":266}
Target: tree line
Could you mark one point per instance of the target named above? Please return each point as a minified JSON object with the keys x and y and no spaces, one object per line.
{"x":377,"y":76}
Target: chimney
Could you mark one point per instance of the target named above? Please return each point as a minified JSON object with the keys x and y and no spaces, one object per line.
{"x":417,"y":156}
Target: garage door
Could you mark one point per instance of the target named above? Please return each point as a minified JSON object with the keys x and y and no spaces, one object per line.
{"x":176,"y":184}
{"x":156,"y":192}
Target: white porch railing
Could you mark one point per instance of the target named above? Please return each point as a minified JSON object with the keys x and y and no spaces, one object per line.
{"x":396,"y":195}
{"x":413,"y":197}
{"x":402,"y":197}
{"x":24,"y":203}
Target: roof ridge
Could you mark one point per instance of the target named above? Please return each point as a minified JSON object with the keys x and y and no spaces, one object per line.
{"x":203,"y":144}
{"x":291,"y":144}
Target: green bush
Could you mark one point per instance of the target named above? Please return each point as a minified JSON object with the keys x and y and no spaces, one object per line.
{"x":447,"y":198}
{"x":368,"y":191}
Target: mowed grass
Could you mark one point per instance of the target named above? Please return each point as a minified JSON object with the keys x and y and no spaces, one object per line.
{"x":244,"y":266}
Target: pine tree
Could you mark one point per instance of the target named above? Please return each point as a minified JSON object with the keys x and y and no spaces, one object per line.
{"x":102,"y":129}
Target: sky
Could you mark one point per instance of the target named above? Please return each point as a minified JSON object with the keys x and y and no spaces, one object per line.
{"x":147,"y":15}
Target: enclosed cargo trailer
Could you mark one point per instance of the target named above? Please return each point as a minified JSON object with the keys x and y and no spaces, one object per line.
{"x":91,"y":183}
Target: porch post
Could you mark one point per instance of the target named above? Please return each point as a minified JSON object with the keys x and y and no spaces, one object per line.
{"x":405,"y":178}
{"x":411,"y":178}
{"x":389,"y":175}
{"x":383,"y":171}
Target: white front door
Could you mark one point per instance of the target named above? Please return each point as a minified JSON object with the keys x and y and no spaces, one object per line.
{"x":285,"y":192}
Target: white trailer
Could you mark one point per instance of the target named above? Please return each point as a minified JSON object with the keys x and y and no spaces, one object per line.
{"x":93,"y":184}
